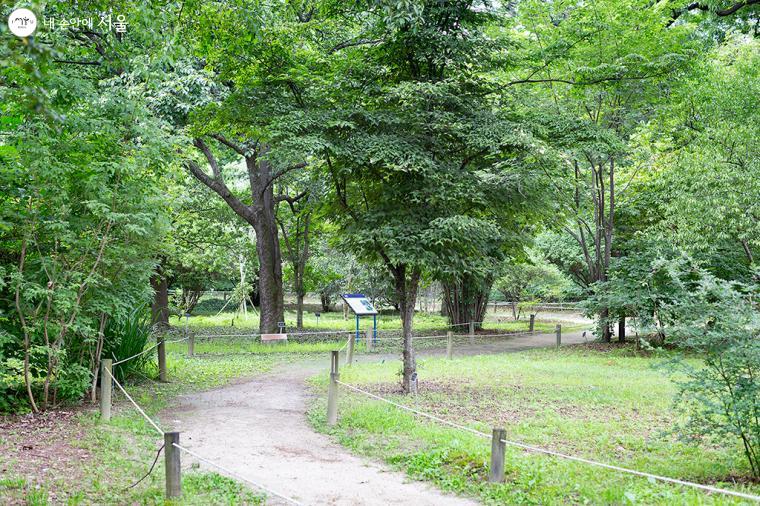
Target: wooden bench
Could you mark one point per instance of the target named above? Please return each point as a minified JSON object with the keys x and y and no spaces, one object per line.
{"x":274,"y":338}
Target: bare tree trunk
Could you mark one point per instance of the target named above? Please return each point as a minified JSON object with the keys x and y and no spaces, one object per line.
{"x":96,"y":357}
{"x":406,"y":294}
{"x":299,"y":310}
{"x":24,"y":329}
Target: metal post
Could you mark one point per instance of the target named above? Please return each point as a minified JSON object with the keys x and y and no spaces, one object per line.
{"x":559,"y":335}
{"x":172,"y":465}
{"x":332,"y":390}
{"x":161,"y":358}
{"x":374,"y":328}
{"x":350,"y":353}
{"x":105,"y":389}
{"x":532,"y":322}
{"x":472,"y":332}
{"x":498,"y":448}
{"x":449,"y":344}
{"x":357,"y":328}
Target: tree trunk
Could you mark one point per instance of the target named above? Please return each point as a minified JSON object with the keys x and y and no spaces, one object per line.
{"x":160,"y":306}
{"x":270,"y":274}
{"x":299,"y":310}
{"x":605,"y":325}
{"x":261,"y":215}
{"x":621,"y":329}
{"x":406,"y":295}
{"x":466,"y":300}
{"x":325,"y":300}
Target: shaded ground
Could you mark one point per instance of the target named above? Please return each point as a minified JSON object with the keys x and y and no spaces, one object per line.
{"x":37,"y":451}
{"x":259,"y":429}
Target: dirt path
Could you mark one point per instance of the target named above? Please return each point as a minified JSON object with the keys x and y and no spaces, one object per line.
{"x":258,"y":429}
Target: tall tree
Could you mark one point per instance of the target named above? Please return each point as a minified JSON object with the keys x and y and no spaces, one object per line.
{"x":421,"y":147}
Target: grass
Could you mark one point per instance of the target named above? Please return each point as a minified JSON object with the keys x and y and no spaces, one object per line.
{"x":612,"y":407}
{"x":121,"y":451}
{"x":423,"y":322}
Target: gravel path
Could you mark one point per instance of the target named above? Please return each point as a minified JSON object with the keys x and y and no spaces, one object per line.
{"x":258,"y":429}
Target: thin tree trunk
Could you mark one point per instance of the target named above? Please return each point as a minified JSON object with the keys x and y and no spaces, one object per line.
{"x":160,"y":306}
{"x":299,"y":310}
{"x":406,"y":294}
{"x":22,"y":319}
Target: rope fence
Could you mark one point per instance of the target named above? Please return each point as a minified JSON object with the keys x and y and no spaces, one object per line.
{"x":499,"y":441}
{"x":171,"y":446}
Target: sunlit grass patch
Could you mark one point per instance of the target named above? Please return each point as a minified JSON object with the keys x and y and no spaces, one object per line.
{"x":611,"y":407}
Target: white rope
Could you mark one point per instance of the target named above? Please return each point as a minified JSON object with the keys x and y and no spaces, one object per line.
{"x":147,"y":350}
{"x":556,"y":454}
{"x":443,"y":336}
{"x":237,"y":475}
{"x":155,"y":426}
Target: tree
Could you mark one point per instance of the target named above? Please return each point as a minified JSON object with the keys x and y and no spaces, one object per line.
{"x":418,"y":161}
{"x":521,"y":281}
{"x":597,"y":79}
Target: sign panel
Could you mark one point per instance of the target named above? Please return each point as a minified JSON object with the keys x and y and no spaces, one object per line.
{"x":359,"y":304}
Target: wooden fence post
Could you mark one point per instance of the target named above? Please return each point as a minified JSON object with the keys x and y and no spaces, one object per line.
{"x":350,"y":352}
{"x":332,"y":389}
{"x":191,"y":345}
{"x":368,"y":340}
{"x":532,"y":322}
{"x":172,"y":465}
{"x":498,"y":448}
{"x":559,"y":335}
{"x":449,"y":344}
{"x":472,"y":332}
{"x":162,"y":358}
{"x":106,"y":369}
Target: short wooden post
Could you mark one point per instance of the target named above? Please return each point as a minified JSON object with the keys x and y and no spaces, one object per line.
{"x":472,"y":332}
{"x":449,"y":344}
{"x":368,"y":340}
{"x":498,"y":449}
{"x":532,"y":322}
{"x":191,"y":345}
{"x":350,"y":353}
{"x":172,"y":465}
{"x":161,"y":358}
{"x":106,"y":368}
{"x":332,"y":390}
{"x":559,"y":335}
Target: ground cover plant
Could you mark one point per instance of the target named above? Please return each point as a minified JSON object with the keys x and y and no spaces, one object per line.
{"x":613,"y":406}
{"x":71,"y":457}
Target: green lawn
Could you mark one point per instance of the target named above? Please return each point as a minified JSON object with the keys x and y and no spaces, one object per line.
{"x":613,"y":407}
{"x":120,"y":452}
{"x":229,"y":322}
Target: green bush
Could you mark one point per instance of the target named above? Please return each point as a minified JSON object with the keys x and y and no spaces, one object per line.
{"x":127,"y":337}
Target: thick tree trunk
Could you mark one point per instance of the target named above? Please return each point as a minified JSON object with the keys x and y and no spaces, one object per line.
{"x":270,"y":274}
{"x":406,"y":295}
{"x":260,"y":215}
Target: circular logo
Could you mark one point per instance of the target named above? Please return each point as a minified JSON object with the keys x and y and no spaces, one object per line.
{"x":22,"y":22}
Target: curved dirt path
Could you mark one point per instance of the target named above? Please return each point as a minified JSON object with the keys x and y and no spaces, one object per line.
{"x":258,"y":429}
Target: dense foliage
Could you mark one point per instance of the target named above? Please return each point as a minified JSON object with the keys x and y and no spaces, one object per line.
{"x":602,"y":150}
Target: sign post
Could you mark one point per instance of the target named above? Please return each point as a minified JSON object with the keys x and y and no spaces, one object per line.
{"x":361,"y":306}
